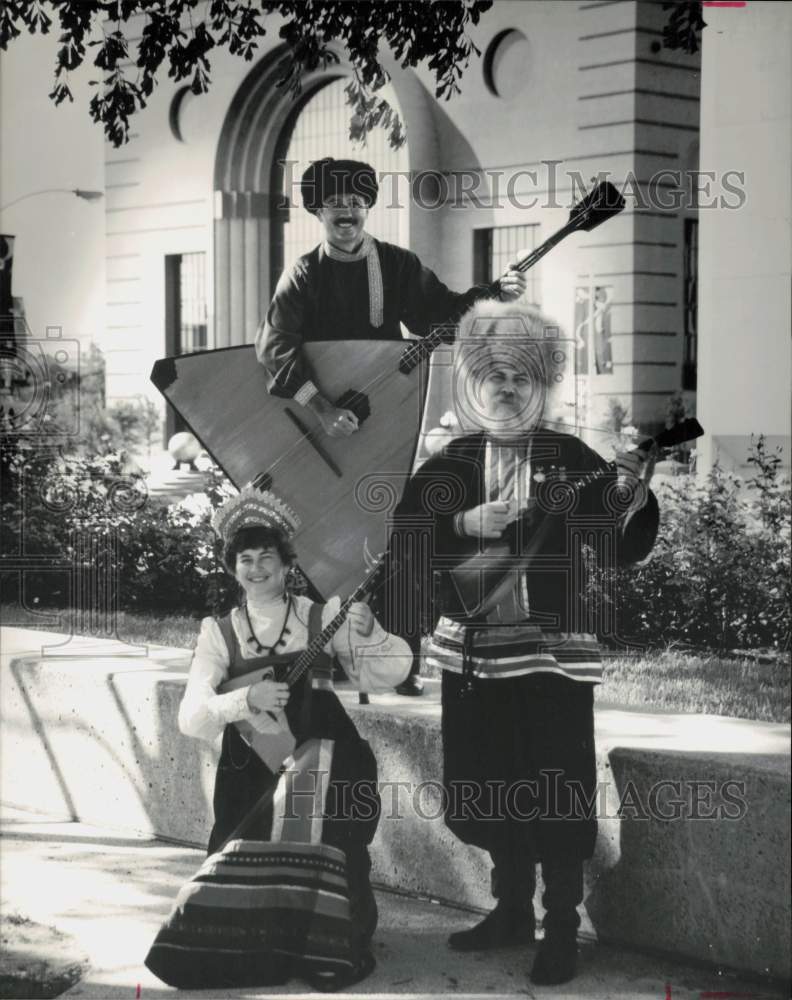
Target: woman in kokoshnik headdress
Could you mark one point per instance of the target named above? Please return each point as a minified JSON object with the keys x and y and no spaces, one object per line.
{"x":256,"y":528}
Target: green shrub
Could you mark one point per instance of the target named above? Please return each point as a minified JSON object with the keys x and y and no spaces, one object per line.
{"x":719,"y":574}
{"x":137,"y":421}
{"x":77,"y":513}
{"x":77,"y":399}
{"x":718,"y":577}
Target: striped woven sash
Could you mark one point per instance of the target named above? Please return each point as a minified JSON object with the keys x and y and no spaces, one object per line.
{"x":512,"y":650}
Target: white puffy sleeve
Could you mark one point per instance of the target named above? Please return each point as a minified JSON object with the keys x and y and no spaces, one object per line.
{"x":377,"y":662}
{"x":203,"y":713}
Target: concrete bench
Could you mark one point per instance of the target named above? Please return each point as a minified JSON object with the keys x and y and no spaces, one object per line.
{"x":696,"y":864}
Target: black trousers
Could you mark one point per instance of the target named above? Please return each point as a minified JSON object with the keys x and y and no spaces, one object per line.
{"x":519,"y":771}
{"x":519,"y":764}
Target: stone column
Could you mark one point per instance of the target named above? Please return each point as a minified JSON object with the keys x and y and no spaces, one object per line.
{"x":242,"y":292}
{"x":745,"y":258}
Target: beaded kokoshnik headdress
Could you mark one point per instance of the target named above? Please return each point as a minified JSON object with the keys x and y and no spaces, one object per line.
{"x":254,"y":507}
{"x":257,"y":508}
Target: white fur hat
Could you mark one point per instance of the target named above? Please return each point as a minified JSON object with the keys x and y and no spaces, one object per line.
{"x":513,"y":334}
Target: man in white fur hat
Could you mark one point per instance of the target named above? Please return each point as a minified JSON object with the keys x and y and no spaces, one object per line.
{"x":520,"y":660}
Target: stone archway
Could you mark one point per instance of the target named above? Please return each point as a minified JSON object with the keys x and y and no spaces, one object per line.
{"x":244,"y":203}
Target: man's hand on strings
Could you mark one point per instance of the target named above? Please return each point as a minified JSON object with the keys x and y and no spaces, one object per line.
{"x":488,"y":520}
{"x":335,"y":422}
{"x":636,"y":469}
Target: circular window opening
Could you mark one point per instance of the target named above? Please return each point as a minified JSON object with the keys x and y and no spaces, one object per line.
{"x":506,"y":63}
{"x":184,"y":114}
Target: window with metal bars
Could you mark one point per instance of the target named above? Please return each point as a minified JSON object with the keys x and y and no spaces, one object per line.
{"x":185,"y":303}
{"x":186,"y":326}
{"x":689,"y":365}
{"x":494,"y":249}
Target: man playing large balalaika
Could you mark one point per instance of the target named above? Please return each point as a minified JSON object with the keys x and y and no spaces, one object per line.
{"x":352,"y":287}
{"x":519,"y":658}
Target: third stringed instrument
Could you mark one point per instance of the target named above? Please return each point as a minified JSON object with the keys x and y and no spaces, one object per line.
{"x":478,"y":583}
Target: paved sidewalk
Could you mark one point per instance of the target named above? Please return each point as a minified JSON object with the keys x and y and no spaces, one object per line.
{"x":110,"y":892}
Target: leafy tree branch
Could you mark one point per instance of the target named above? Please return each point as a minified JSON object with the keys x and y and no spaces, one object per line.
{"x":133,"y":42}
{"x":180,"y":35}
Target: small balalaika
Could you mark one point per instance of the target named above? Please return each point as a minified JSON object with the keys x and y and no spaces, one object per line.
{"x":475,"y":586}
{"x":291,"y":668}
{"x":345,"y":486}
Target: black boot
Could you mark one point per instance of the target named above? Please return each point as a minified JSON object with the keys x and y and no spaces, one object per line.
{"x":502,"y":927}
{"x":512,"y":921}
{"x":556,"y":959}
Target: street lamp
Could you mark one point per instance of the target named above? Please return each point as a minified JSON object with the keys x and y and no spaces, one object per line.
{"x":77,"y":192}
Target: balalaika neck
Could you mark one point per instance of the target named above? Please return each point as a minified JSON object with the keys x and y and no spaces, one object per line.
{"x":420,"y":350}
{"x":318,"y":643}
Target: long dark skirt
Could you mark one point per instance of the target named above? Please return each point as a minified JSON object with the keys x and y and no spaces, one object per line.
{"x":519,"y":766}
{"x":352,"y":806}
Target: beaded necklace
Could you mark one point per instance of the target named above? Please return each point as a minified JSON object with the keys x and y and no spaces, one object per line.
{"x":280,"y":641}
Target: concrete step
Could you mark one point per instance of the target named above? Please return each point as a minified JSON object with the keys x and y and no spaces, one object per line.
{"x":175,"y":485}
{"x":169,"y":483}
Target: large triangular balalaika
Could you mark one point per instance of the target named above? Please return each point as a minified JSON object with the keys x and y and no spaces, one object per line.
{"x":342,"y":488}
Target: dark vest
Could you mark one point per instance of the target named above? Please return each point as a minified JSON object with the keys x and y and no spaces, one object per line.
{"x":321,"y":715}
